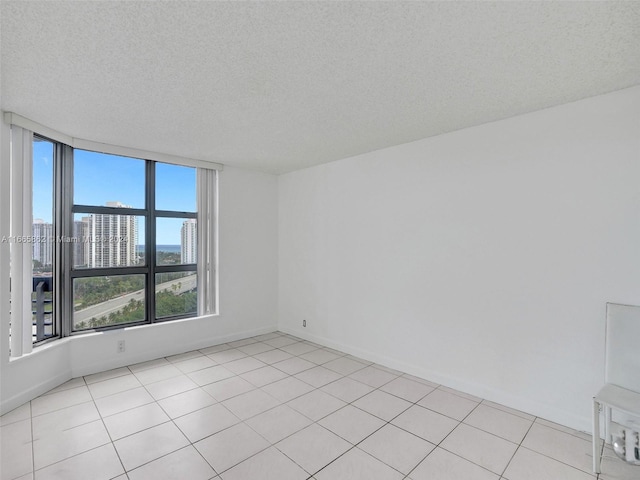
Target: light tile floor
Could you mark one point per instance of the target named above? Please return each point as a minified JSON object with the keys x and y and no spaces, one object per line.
{"x":275,"y":407}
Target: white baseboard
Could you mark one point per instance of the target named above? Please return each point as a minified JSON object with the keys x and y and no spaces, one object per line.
{"x":67,"y":373}
{"x":547,"y":412}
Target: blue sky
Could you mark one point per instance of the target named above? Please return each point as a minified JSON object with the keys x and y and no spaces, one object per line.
{"x":101,"y":178}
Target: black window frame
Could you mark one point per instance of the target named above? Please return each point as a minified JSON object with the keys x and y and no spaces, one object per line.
{"x":64,"y":271}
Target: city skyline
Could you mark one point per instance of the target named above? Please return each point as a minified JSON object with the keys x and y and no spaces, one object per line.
{"x":100,"y":178}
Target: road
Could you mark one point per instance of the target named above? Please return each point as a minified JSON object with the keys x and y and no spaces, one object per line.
{"x":105,"y":308}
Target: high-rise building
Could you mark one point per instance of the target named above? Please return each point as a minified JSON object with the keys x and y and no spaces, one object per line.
{"x":189,"y":241}
{"x":80,"y":249}
{"x":42,"y":242}
{"x":112,"y":239}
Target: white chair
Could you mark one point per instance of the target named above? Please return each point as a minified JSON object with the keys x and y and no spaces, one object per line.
{"x":621,"y":392}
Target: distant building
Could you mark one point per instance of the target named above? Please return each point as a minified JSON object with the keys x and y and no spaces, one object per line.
{"x":189,"y":241}
{"x":112,"y":239}
{"x":80,"y":249}
{"x":42,"y":242}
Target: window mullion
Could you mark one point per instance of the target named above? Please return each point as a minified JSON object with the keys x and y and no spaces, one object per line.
{"x":64,"y":226}
{"x":150,"y":240}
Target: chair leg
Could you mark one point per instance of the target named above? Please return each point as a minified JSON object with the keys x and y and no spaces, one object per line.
{"x":596,"y":436}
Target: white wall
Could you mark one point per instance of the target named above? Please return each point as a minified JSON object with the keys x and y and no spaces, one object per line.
{"x":481,"y":259}
{"x":248,"y":300}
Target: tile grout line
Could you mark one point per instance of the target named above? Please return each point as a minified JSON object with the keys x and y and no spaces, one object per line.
{"x":396,"y":375}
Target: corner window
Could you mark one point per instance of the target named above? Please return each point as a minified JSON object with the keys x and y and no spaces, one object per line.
{"x":112,"y":241}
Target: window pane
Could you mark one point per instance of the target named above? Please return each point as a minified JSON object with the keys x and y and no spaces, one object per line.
{"x":176,"y":294}
{"x":43,"y":239}
{"x":107,"y":240}
{"x":176,"y":241}
{"x":99,"y":178}
{"x":103,"y":301}
{"x":175,"y":188}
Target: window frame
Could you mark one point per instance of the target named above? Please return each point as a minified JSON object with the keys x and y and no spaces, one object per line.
{"x":20,"y":190}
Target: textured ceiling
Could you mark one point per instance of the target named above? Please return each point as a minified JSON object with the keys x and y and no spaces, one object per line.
{"x":278,"y":86}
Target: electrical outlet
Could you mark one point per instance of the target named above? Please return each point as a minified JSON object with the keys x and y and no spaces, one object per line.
{"x":120,"y":346}
{"x":304,"y":323}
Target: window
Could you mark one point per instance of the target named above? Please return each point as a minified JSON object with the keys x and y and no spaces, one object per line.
{"x":113,"y":241}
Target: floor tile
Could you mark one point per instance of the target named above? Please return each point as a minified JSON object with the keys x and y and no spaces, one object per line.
{"x":267,"y":336}
{"x":278,"y":423}
{"x":270,"y":464}
{"x":206,"y":421}
{"x":194,"y":364}
{"x":28,"y":476}
{"x":407,"y":389}
{"x":171,"y":386}
{"x":425,"y":423}
{"x":185,"y":463}
{"x":287,"y":389}
{"x":512,"y":411}
{"x":298,"y":349}
{"x":226,"y":356}
{"x":123,"y":401}
{"x":181,"y":357}
{"x":318,"y":376}
{"x":280,"y":341}
{"x":156,"y":374}
{"x":150,"y":444}
{"x":316,"y":404}
{"x":138,"y":367}
{"x":250,"y":404}
{"x":529,"y":465}
{"x":481,"y":448}
{"x":352,"y":424}
{"x":16,"y":449}
{"x":186,"y":402}
{"x":373,"y":377}
{"x":107,"y":375}
{"x":459,"y":393}
{"x":66,"y":443}
{"x":443,"y":465}
{"x":561,"y":446}
{"x":358,"y":465}
{"x":135,"y":420}
{"x":228,"y":388}
{"x":562,"y":428}
{"x":210,"y":375}
{"x":264,"y":376}
{"x":294,"y":365}
{"x":113,"y":385}
{"x":231,"y":446}
{"x":73,"y":383}
{"x":244,"y":365}
{"x":215,"y":349}
{"x":420,"y":380}
{"x":387,"y":369}
{"x":313,"y":447}
{"x":253,"y":417}
{"x":242,"y":342}
{"x":23,"y":412}
{"x":59,"y":400}
{"x":448,"y":404}
{"x":344,"y":366}
{"x":347,"y":389}
{"x":255,"y":348}
{"x":319,"y":356}
{"x":382,"y":404}
{"x":397,"y":448}
{"x":55,"y":422}
{"x":273,"y":356}
{"x":500,"y":423}
{"x":101,"y":463}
